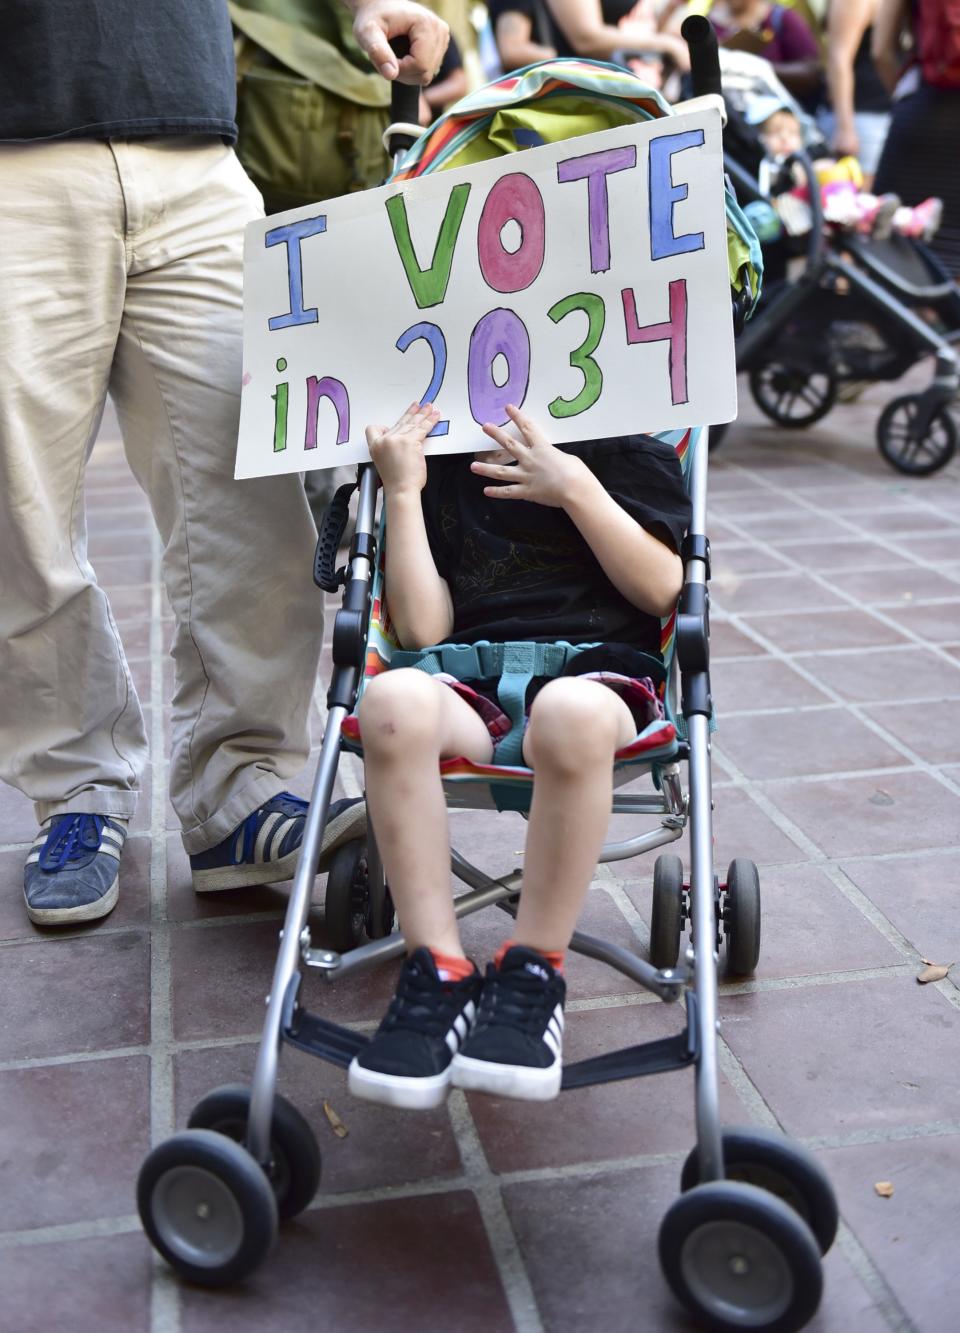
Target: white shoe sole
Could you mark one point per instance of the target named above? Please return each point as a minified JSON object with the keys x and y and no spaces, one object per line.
{"x":349,"y":824}
{"x":69,"y":916}
{"x":246,"y":876}
{"x":409,"y":1094}
{"x":524,"y":1082}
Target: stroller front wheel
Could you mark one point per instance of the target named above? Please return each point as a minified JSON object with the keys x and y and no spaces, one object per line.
{"x":901,"y":443}
{"x":739,"y":1258}
{"x":206,"y":1207}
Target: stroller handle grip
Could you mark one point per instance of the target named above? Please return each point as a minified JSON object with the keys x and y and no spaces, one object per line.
{"x":701,"y":41}
{"x":404,"y":97}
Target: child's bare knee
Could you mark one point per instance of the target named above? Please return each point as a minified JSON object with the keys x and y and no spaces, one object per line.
{"x":569,"y":728}
{"x":398,"y":709}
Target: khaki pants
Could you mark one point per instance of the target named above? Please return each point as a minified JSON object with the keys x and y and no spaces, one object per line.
{"x":120,"y":271}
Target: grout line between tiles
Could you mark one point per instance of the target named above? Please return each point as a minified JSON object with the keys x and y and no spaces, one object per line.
{"x":486,"y":1187}
{"x":590,"y":1004}
{"x":875,"y":1284}
{"x":621,"y":899}
{"x":62,"y":1232}
{"x":836,"y":775}
{"x":934,"y":1129}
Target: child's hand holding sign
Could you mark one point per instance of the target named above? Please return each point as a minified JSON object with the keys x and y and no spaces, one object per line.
{"x":397,"y":451}
{"x":529,"y":468}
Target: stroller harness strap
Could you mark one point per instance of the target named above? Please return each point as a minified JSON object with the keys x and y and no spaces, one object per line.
{"x":512,"y":665}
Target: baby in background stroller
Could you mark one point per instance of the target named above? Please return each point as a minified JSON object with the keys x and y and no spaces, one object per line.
{"x":768,"y":126}
{"x":577,"y":543}
{"x":844,"y":199}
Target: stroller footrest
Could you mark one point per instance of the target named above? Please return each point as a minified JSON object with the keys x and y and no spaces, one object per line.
{"x":338,"y":1045}
{"x":329,"y":1041}
{"x":652,"y":1057}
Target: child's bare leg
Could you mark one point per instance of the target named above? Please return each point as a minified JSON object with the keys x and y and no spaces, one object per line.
{"x":515,"y":1049}
{"x":575,"y":727}
{"x":409,"y":722}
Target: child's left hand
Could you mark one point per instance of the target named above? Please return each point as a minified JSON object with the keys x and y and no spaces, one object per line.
{"x":539,"y":472}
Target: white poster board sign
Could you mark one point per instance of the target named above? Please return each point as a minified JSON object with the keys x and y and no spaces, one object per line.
{"x":585,"y":281}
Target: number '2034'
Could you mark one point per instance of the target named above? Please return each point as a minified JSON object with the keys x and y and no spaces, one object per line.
{"x":501,"y":332}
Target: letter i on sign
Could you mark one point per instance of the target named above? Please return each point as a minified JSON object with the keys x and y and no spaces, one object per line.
{"x":280,"y":399}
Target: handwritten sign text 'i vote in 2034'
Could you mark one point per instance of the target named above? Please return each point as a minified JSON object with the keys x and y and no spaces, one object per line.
{"x":585,"y":281}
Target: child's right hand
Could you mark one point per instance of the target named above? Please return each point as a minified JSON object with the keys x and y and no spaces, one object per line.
{"x":397,"y":451}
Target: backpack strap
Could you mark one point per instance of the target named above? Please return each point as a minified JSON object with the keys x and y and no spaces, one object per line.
{"x":312,"y":57}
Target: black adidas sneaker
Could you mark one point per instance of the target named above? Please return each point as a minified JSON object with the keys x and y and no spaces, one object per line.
{"x":516,"y":1048}
{"x":407,"y":1063}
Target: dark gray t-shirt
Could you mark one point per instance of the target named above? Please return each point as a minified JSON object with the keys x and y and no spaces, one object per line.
{"x":96,"y":69}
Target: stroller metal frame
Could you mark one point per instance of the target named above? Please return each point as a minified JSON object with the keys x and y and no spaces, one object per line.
{"x":286,"y":1022}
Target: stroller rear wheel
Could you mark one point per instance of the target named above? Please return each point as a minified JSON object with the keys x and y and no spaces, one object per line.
{"x":739,"y":1258}
{"x":206,"y":1207}
{"x":666,"y":912}
{"x":793,"y":396}
{"x":740,"y":914}
{"x":294,"y":1170}
{"x":347,"y":897}
{"x":774,"y":1163}
{"x":900,"y":441}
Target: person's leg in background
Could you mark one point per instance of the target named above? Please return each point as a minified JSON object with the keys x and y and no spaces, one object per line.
{"x":71,"y":730}
{"x":237,"y":555}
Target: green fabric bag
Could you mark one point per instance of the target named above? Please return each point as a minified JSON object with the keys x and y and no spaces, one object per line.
{"x":310,"y":108}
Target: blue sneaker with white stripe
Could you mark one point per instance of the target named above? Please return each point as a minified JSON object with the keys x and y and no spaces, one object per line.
{"x":265,"y":847}
{"x":516,"y":1047}
{"x":72,"y":872}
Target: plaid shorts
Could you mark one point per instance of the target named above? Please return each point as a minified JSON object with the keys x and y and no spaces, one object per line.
{"x":639,"y":694}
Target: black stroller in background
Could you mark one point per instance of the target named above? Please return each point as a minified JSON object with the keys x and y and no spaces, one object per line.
{"x":861,"y":311}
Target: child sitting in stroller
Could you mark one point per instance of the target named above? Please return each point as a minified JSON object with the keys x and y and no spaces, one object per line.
{"x":529,"y":542}
{"x":846,"y":204}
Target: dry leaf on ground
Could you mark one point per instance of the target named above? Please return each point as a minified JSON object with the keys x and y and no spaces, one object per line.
{"x":336,"y":1124}
{"x":884,"y":1188}
{"x":933,"y":971}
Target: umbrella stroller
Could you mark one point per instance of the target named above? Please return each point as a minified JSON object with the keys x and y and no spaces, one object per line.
{"x":741,"y":1245}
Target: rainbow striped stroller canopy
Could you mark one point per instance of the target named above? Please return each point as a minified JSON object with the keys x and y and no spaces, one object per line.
{"x":554,"y":100}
